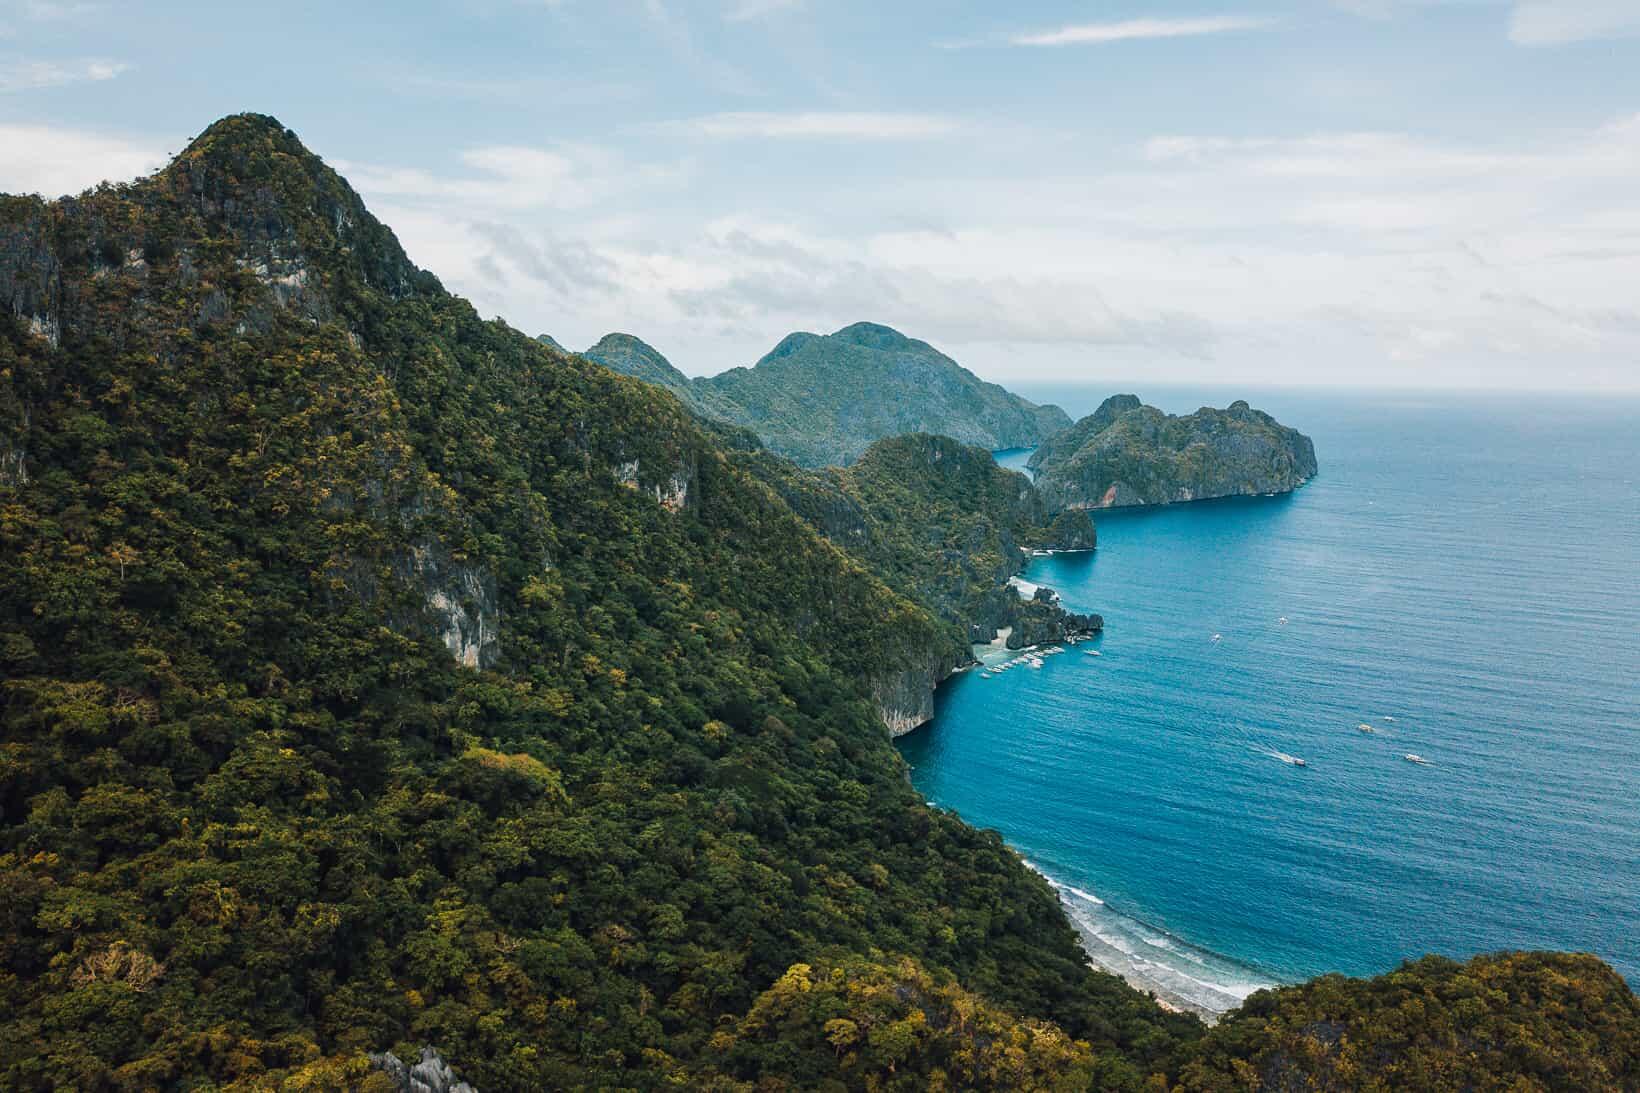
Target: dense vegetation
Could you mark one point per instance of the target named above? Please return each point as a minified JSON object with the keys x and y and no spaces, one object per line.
{"x":823,"y":399}
{"x":1126,"y":453}
{"x":374,"y":675}
{"x":1513,"y":1021}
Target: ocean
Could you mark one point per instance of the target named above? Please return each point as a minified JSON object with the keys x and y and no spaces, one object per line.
{"x":1462,"y":577}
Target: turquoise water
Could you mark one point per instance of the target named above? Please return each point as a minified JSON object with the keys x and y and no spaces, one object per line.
{"x":1464,"y":577}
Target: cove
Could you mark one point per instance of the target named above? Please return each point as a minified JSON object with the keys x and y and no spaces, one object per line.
{"x":1459,"y":579}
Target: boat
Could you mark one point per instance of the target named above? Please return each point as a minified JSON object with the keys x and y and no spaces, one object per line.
{"x":1291,"y":760}
{"x":1364,"y":727}
{"x":1386,"y":717}
{"x":1093,"y":652}
{"x":1411,"y":758}
{"x":1217,"y":637}
{"x":1282,"y":620}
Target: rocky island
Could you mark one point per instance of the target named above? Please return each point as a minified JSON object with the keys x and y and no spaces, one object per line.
{"x":1126,"y":453}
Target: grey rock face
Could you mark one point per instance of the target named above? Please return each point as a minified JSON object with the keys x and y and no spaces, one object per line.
{"x":462,"y":601}
{"x":905,"y":699}
{"x":29,"y":275}
{"x":431,"y":1075}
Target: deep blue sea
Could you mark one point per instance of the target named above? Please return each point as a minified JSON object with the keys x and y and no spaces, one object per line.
{"x":1463,"y":577}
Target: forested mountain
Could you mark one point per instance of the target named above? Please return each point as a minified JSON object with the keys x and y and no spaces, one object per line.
{"x":822,"y":400}
{"x":377,"y":676}
{"x":1126,"y":453}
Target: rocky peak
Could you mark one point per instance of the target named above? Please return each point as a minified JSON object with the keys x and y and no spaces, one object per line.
{"x":789,"y":345}
{"x":876,"y":336}
{"x":617,"y":342}
{"x":250,"y":178}
{"x":1114,"y":407}
{"x":632,"y":356}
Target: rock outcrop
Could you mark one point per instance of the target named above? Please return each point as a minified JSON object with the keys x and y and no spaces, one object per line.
{"x":1126,"y":453}
{"x":431,"y":1075}
{"x":905,"y":698}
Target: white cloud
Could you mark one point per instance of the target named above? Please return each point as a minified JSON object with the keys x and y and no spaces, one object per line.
{"x":54,"y":11}
{"x":509,"y":177}
{"x":34,"y":75}
{"x":746,"y":10}
{"x":836,"y":125}
{"x":1343,"y":256}
{"x":52,"y":162}
{"x":1530,"y":22}
{"x":1556,"y":22}
{"x":1135,"y":29}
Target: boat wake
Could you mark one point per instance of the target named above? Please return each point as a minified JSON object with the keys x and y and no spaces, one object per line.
{"x":1179,"y":974}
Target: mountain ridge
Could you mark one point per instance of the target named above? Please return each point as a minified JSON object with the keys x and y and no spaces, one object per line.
{"x":822,"y":399}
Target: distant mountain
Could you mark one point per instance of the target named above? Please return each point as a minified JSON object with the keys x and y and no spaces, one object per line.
{"x":632,"y":357}
{"x":822,"y":399}
{"x":1126,"y":453}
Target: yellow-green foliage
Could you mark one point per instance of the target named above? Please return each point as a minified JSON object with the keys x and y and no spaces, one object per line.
{"x":1510,"y":1021}
{"x":891,"y":1025}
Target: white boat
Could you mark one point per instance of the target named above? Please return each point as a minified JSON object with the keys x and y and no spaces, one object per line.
{"x":1411,"y":758}
{"x":1386,"y":717}
{"x":1093,"y":652}
{"x":1282,"y":620}
{"x":1290,"y":760}
{"x":1217,"y":637}
{"x":1364,"y":727}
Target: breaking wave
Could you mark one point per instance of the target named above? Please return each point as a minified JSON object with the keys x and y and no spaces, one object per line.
{"x":1179,"y":974}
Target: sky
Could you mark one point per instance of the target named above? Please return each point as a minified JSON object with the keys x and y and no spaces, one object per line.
{"x":1440,"y":193}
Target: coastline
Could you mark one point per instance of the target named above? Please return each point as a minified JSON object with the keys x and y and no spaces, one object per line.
{"x":1180,"y":976}
{"x":1177,"y":975}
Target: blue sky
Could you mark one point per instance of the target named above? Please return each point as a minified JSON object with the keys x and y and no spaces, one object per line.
{"x":1397,"y":192}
